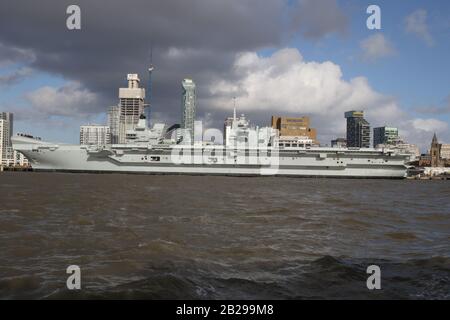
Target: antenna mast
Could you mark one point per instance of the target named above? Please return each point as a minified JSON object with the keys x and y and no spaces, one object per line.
{"x":234,"y":108}
{"x":149,"y":89}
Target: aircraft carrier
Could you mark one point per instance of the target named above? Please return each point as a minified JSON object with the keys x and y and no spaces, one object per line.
{"x":246,"y":151}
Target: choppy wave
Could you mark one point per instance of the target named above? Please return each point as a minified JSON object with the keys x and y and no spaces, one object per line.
{"x":324,"y":278}
{"x":163,"y":237}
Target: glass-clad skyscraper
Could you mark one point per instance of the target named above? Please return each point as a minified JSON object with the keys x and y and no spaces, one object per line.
{"x":188,"y":105}
{"x":385,"y":135}
{"x":358,"y":130}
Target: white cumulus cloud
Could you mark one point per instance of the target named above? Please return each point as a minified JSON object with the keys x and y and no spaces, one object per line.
{"x":68,"y":100}
{"x":376,"y":46}
{"x":285,"y":84}
{"x":429,"y":125}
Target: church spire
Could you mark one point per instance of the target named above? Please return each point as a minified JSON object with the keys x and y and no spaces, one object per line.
{"x":434,"y":141}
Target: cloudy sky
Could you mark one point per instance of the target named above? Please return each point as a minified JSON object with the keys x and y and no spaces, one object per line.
{"x":277,"y":57}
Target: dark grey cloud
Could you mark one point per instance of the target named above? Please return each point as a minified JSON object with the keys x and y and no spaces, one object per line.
{"x":191,"y":38}
{"x":11,"y":54}
{"x":317,"y":18}
{"x":116,"y":36}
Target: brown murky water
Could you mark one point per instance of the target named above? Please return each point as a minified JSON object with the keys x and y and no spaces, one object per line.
{"x":194,"y":237}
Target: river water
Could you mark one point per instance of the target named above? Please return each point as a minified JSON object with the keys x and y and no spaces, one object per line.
{"x":198,"y":237}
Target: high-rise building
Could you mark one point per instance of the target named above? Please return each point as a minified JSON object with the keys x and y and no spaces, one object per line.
{"x":358,"y":130}
{"x":95,"y":135}
{"x":385,"y":136}
{"x":114,"y":123}
{"x":188,"y":106}
{"x":294,"y":127}
{"x":131,"y":105}
{"x":3,"y":139}
{"x":6,"y":130}
{"x":8,"y":116}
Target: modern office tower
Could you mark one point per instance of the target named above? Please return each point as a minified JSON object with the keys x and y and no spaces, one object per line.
{"x":8,"y":116}
{"x":188,"y":105}
{"x":3,"y":141}
{"x":339,"y":143}
{"x":131,"y":105}
{"x":95,"y":135}
{"x":114,"y":123}
{"x":358,"y":130}
{"x":6,"y":130}
{"x":294,"y":127}
{"x":385,"y":135}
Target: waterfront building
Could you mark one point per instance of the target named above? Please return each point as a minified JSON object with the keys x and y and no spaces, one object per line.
{"x":95,"y":135}
{"x":293,"y":141}
{"x":3,"y":142}
{"x":408,"y":148}
{"x":114,"y":123}
{"x":131,"y":102}
{"x":294,"y":127}
{"x":20,"y":160}
{"x":8,"y":156}
{"x":425,"y":160}
{"x":385,"y":135}
{"x":358,"y":130}
{"x":9,"y":118}
{"x":188,"y":107}
{"x":436,"y":171}
{"x":445,"y":151}
{"x":435,"y":152}
{"x":6,"y":130}
{"x":435,"y":158}
{"x":403,"y":148}
{"x":339,"y":143}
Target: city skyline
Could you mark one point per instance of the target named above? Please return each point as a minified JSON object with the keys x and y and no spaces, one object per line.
{"x":294,"y":66}
{"x":132,"y":105}
{"x":124,"y":116}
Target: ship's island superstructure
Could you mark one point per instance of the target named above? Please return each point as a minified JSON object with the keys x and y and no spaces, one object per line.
{"x":246,"y":151}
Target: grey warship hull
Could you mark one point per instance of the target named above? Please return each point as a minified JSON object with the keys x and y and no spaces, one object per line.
{"x":213,"y":160}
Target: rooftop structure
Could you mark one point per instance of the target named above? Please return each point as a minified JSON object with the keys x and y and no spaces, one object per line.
{"x":131,"y":102}
{"x":358,"y":130}
{"x":339,"y":143}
